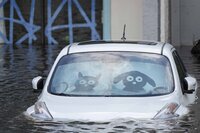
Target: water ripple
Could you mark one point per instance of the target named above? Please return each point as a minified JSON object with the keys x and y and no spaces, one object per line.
{"x":18,"y":65}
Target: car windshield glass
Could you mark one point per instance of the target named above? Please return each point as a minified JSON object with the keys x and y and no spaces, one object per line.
{"x":112,"y":74}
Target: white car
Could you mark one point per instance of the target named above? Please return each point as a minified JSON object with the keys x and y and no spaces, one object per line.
{"x":104,"y":80}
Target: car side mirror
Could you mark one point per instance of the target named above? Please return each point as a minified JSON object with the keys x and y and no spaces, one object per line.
{"x":37,"y":83}
{"x":190,"y":85}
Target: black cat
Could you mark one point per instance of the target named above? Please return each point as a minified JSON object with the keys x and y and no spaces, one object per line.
{"x":134,"y":81}
{"x":86,"y":83}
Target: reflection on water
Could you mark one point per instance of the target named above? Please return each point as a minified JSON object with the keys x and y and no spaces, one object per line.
{"x":19,"y":64}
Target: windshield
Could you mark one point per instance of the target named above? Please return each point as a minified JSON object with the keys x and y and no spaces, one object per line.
{"x":112,"y":74}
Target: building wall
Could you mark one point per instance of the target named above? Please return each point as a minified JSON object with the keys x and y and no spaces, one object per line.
{"x":129,"y":12}
{"x":185,"y":22}
{"x":189,"y":21}
{"x":175,"y":22}
{"x":140,"y":16}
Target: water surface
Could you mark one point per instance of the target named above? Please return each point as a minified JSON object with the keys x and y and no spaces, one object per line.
{"x":19,"y":64}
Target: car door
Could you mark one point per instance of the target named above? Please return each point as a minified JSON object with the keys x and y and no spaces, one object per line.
{"x":188,"y":96}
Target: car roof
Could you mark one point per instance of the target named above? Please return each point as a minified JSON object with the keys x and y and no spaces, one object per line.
{"x":131,"y":46}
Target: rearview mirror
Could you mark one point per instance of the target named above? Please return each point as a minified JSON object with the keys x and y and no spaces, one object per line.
{"x":190,"y":85}
{"x":37,"y":83}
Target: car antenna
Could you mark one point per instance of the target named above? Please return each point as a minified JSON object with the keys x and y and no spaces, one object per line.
{"x":124,"y":33}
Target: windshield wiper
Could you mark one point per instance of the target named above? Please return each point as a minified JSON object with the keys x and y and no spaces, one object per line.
{"x":62,"y":94}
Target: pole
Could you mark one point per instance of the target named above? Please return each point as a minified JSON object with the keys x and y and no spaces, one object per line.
{"x":106,"y":19}
{"x":165,"y":21}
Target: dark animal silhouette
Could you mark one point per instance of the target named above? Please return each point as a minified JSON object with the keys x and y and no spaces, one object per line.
{"x":134,"y":81}
{"x":86,"y":83}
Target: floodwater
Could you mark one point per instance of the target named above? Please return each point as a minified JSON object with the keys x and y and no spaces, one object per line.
{"x":19,"y":64}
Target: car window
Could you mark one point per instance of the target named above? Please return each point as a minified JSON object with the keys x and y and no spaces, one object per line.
{"x":180,"y":67}
{"x":112,"y":74}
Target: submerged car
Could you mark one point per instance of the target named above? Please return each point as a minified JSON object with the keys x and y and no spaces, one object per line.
{"x":101,"y":80}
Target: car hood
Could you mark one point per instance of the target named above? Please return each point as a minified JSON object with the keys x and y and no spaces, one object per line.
{"x":105,"y":108}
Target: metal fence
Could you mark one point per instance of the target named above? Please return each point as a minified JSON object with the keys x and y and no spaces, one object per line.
{"x":15,"y":16}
